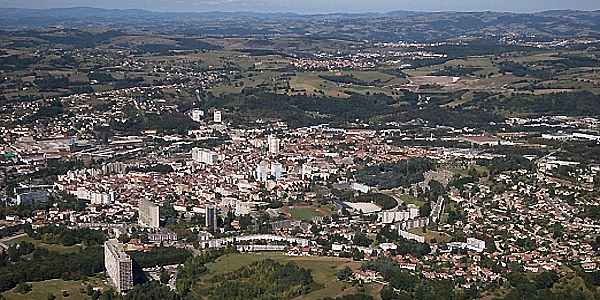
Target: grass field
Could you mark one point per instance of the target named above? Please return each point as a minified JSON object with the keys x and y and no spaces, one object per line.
{"x":303,"y":213}
{"x":408,"y":199}
{"x":430,"y":234}
{"x":41,"y":289}
{"x":324,"y":268}
{"x":324,"y":271}
{"x":465,"y":172}
{"x":52,"y":247}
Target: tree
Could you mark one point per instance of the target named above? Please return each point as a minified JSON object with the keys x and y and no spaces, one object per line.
{"x":23,"y":288}
{"x":89,"y":290}
{"x":361,"y":239}
{"x":164,"y":277}
{"x":344,"y":273}
{"x":388,"y":294}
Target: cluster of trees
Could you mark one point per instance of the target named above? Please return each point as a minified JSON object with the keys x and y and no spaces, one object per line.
{"x":521,"y":70}
{"x":350,"y":79}
{"x":298,"y":110}
{"x":160,"y":256}
{"x":14,"y":252}
{"x":15,"y":62}
{"x":539,"y":286}
{"x":360,"y":239}
{"x":57,"y":167}
{"x":189,"y":274}
{"x":457,"y":71}
{"x":509,"y":163}
{"x":572,"y":62}
{"x":151,"y":290}
{"x":456,"y":51}
{"x":266,"y":279}
{"x":68,"y":237}
{"x":392,"y":175}
{"x":138,"y":120}
{"x":350,"y":297}
{"x":8,"y":231}
{"x":410,"y":286}
{"x":45,"y":265}
{"x":582,"y":103}
{"x":253,"y":103}
{"x":583,"y":152}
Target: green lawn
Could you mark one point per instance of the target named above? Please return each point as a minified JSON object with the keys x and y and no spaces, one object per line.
{"x":430,"y":234}
{"x":408,"y":199}
{"x":324,"y":269}
{"x":41,"y":289}
{"x":303,"y":213}
{"x":52,"y":247}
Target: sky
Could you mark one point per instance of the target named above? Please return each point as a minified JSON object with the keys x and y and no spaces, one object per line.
{"x":313,"y":6}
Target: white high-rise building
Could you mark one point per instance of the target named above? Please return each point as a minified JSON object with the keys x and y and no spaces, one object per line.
{"x":262,"y":171}
{"x":148,"y":214}
{"x":276,"y":170}
{"x":205,"y":156}
{"x":197,"y":115}
{"x":413,"y":210}
{"x":119,"y":267}
{"x":211,"y":216}
{"x":217,"y":116}
{"x":273,"y":142}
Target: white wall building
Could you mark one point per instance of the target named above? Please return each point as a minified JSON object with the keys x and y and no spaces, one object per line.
{"x":273,"y":142}
{"x":118,"y":265}
{"x":262,"y":171}
{"x":217,"y":116}
{"x":205,"y":156}
{"x":276,"y":170}
{"x":148,"y":214}
{"x":197,"y":115}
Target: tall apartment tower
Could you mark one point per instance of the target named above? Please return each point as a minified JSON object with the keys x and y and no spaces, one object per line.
{"x":211,"y":215}
{"x":262,"y":171}
{"x":217,"y":116}
{"x":118,"y":265}
{"x":148,"y":214}
{"x":276,"y":170}
{"x":205,"y":156}
{"x":273,"y":142}
{"x":197,"y":115}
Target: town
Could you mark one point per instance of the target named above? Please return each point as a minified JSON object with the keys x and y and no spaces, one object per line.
{"x":387,"y":166}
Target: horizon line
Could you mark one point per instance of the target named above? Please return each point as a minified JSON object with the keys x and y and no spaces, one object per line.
{"x":298,"y":13}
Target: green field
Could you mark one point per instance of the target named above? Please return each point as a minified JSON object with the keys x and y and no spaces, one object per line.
{"x":41,"y":289}
{"x":324,"y":271}
{"x":430,"y":234}
{"x":303,"y":213}
{"x":52,"y":247}
{"x":408,"y":199}
{"x":324,"y":268}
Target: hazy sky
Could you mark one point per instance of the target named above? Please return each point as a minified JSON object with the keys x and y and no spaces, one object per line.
{"x":315,"y":6}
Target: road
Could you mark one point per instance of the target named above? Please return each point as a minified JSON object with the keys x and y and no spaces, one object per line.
{"x":195,"y":252}
{"x":8,"y":238}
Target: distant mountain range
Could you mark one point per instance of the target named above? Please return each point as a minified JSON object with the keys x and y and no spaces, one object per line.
{"x":386,"y":27}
